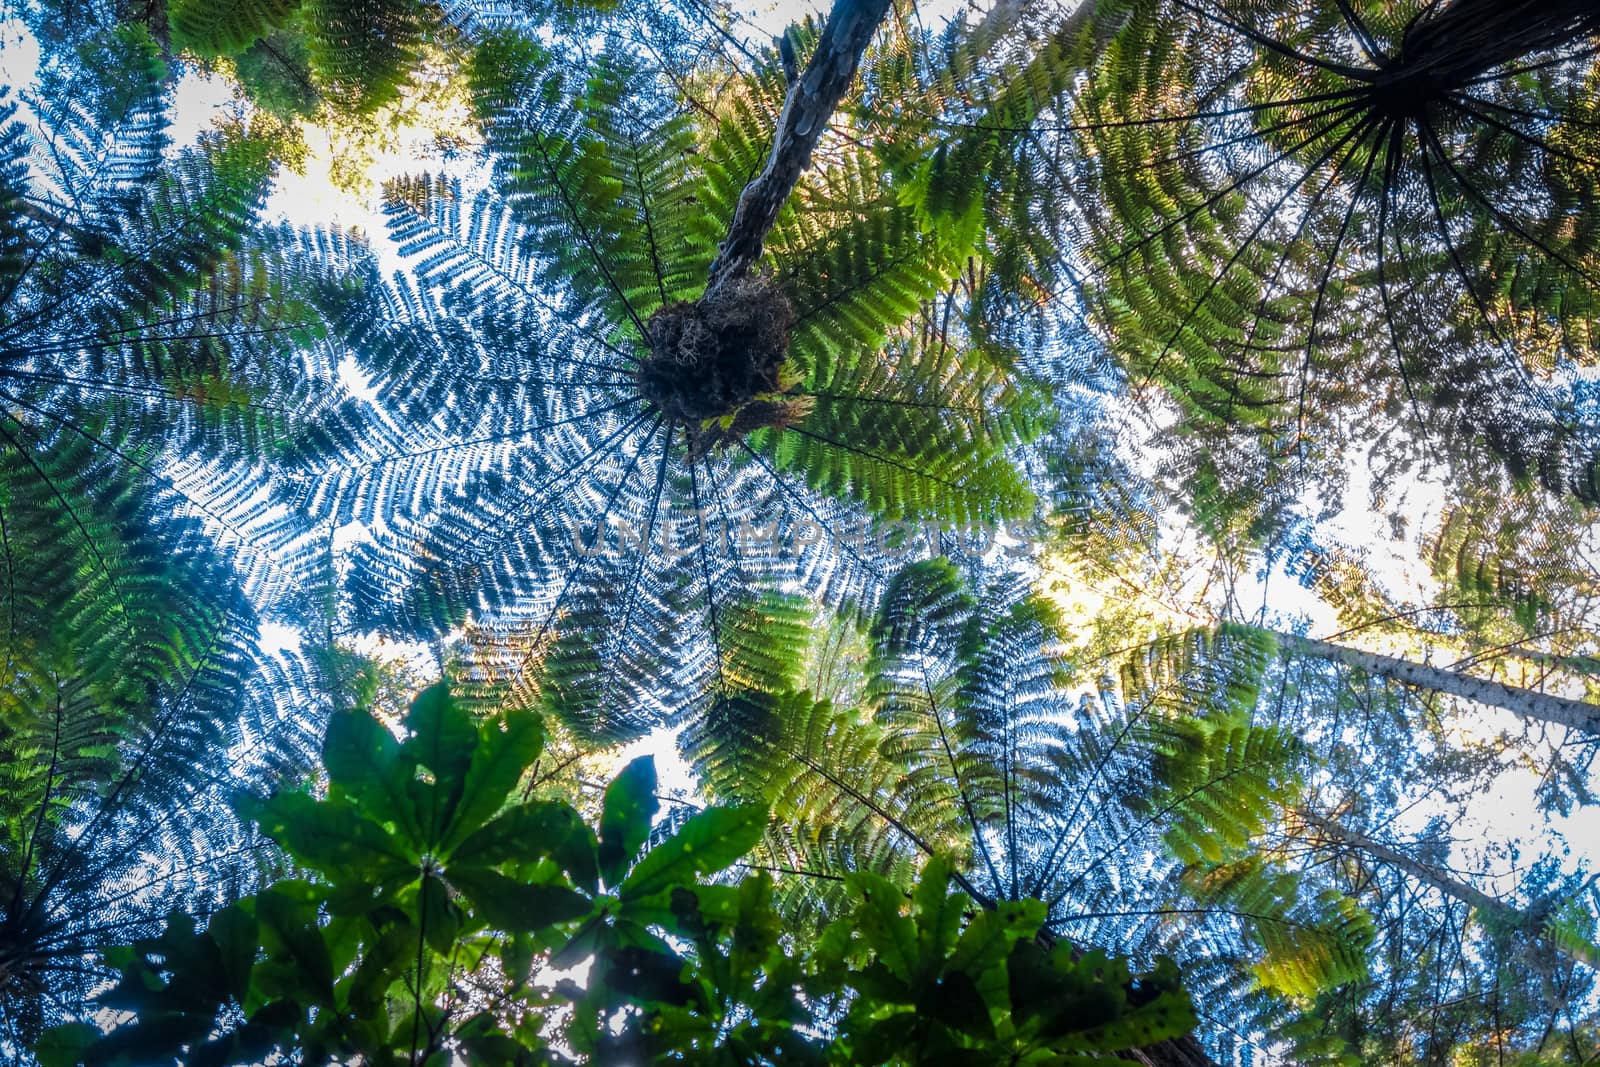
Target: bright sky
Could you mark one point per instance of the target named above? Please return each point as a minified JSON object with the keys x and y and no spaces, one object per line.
{"x":19,"y":53}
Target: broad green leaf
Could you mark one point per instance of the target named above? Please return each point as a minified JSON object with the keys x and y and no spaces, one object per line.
{"x":383,"y":962}
{"x":498,"y":762}
{"x":65,"y":1045}
{"x":507,"y":904}
{"x":439,"y":916}
{"x":938,"y":912}
{"x":885,"y":1039}
{"x":651,"y":975}
{"x":583,"y":943}
{"x":890,"y":935}
{"x":365,"y":760}
{"x":688,"y":911}
{"x":709,"y":841}
{"x":1170,"y":1014}
{"x":630,"y":808}
{"x":443,"y":739}
{"x":238,"y":939}
{"x":988,"y":938}
{"x":297,"y":956}
{"x":529,"y":833}
{"x":955,"y":1002}
{"x":332,"y":836}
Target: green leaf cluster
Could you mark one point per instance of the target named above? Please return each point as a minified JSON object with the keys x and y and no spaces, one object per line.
{"x":429,"y":897}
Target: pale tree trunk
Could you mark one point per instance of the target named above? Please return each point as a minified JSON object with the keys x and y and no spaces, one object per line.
{"x":1529,"y":703}
{"x":1529,"y":924}
{"x":812,"y":97}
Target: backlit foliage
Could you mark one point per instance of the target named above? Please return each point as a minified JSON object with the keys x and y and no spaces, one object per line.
{"x":1131,"y":813}
{"x":530,"y":482}
{"x":1311,"y":217}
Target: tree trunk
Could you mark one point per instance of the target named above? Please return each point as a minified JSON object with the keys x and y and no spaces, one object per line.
{"x":1468,"y":38}
{"x":1531,"y":925}
{"x":813,"y":95}
{"x":1529,"y":703}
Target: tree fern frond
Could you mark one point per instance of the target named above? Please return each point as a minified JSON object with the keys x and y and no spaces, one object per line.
{"x":600,"y":179}
{"x":1222,"y":783}
{"x":215,"y":29}
{"x":148,"y":319}
{"x":135,"y":704}
{"x":363,"y":50}
{"x":1262,"y":184}
{"x":1318,"y":945}
{"x":530,"y":465}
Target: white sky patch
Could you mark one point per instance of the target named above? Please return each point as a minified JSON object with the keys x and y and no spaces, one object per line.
{"x":309,"y":198}
{"x":19,"y":55}
{"x":276,"y":637}
{"x":673,"y":776}
{"x":356,"y":381}
{"x":199,"y":102}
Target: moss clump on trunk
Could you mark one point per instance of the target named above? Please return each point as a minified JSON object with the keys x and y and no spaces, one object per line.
{"x":716,"y":365}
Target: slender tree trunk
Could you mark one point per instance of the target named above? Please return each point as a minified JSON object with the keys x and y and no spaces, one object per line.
{"x":813,"y":95}
{"x":1530,"y":924}
{"x":1529,"y":703}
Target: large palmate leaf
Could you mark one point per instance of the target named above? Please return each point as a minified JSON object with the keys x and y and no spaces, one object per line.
{"x":398,"y":947}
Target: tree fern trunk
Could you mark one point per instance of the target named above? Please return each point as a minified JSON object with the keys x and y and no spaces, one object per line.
{"x":1529,"y":703}
{"x":1530,"y":924}
{"x":1469,"y":38}
{"x":806,"y":111}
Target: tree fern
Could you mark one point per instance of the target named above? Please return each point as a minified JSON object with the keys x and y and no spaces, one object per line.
{"x":601,"y":510}
{"x":362,"y":51}
{"x":957,"y":118}
{"x":142,"y":311}
{"x":134,"y":704}
{"x":1262,"y":182}
{"x":214,"y":29}
{"x":965,"y":745}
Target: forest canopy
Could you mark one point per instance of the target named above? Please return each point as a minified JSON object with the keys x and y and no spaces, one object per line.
{"x":866,"y":532}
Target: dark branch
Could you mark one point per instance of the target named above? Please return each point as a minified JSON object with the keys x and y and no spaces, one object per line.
{"x":806,"y":111}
